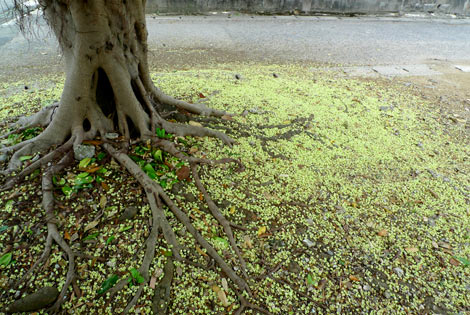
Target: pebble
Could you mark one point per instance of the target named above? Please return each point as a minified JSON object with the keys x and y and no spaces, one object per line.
{"x":398,"y":271}
{"x":308,"y":242}
{"x":83,"y":151}
{"x":128,"y":213}
{"x":111,"y":136}
{"x":366,"y":287}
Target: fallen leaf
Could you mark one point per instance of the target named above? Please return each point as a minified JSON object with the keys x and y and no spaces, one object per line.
{"x":224,"y":284}
{"x":152,"y":283}
{"x":227,"y":117}
{"x":105,"y":186}
{"x":194,"y":123}
{"x":200,"y":251}
{"x":193,"y":150}
{"x":67,"y":235}
{"x":201,"y":95}
{"x":92,"y":142}
{"x":221,"y":295}
{"x":90,"y":225}
{"x":92,"y":169}
{"x":261,"y":230}
{"x":382,"y":233}
{"x":464,"y":261}
{"x":411,"y":249}
{"x":232,"y":209}
{"x":321,"y":284}
{"x":103,"y":201}
{"x":354,"y":278}
{"x":183,"y":173}
{"x":454,"y":262}
{"x":445,"y":245}
{"x":248,"y":243}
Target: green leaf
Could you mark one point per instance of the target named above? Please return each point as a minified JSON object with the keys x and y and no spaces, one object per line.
{"x":464,"y":261}
{"x":81,"y":181}
{"x":5,"y":260}
{"x":108,"y":284}
{"x":3,"y":228}
{"x":157,"y":155}
{"x":110,"y":239}
{"x":99,"y":179}
{"x":148,"y":168}
{"x":102,"y":170}
{"x":84,"y":163}
{"x":83,"y":175}
{"x":163,"y":183}
{"x":310,"y":280}
{"x":135,"y":158}
{"x":91,"y":236}
{"x":25,"y":157}
{"x":141,"y":150}
{"x":221,"y":242}
{"x":9,"y":205}
{"x":67,"y":190}
{"x":101,"y":156}
{"x":137,"y":276}
{"x":58,"y":182}
{"x":160,"y":132}
{"x":125,"y":228}
{"x":167,"y":253}
{"x":31,"y":133}
{"x":35,"y":173}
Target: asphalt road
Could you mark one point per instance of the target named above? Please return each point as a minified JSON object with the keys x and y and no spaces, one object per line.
{"x":357,"y":41}
{"x":337,"y":40}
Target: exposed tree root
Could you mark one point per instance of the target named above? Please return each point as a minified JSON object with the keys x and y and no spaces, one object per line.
{"x":51,"y":156}
{"x":161,"y":297}
{"x":199,"y":109}
{"x":153,"y":187}
{"x":154,"y":193}
{"x":219,"y":217}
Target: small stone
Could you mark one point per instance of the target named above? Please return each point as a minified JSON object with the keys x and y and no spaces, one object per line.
{"x":310,"y":221}
{"x":34,"y":301}
{"x":83,"y":151}
{"x":398,"y":271}
{"x":128,"y":213}
{"x":366,"y":287}
{"x":385,"y":108}
{"x":238,"y":77}
{"x":111,"y":136}
{"x":308,"y":242}
{"x":111,"y":263}
{"x":387,"y":294}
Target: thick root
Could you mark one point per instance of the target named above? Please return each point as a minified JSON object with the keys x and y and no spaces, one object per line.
{"x":42,"y":118}
{"x":199,"y":109}
{"x":151,"y":185}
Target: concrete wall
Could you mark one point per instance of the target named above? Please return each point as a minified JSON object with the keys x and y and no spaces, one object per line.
{"x":309,"y":6}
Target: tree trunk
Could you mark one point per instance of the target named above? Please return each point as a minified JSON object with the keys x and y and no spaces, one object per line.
{"x":108,"y":86}
{"x":104,"y":44}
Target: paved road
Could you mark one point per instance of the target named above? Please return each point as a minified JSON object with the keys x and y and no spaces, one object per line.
{"x":363,"y":41}
{"x":355,"y":41}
